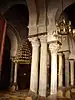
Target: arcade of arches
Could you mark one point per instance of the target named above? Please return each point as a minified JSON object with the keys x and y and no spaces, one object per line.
{"x":35,"y":56}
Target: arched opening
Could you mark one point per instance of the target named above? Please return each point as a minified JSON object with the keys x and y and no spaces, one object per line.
{"x":69,"y":15}
{"x":18,"y":17}
{"x":69,"y":11}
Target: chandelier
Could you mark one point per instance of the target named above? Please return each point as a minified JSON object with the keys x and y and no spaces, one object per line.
{"x":64,"y":27}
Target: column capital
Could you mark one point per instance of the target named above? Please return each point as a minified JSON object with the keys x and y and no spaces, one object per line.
{"x":60,"y":53}
{"x":43,"y":38}
{"x":66,"y":54}
{"x":34,"y":41}
{"x":12,"y":58}
{"x":54,"y":47}
{"x":71,"y":59}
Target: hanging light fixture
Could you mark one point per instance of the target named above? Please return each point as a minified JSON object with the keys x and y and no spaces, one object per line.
{"x":64,"y":26}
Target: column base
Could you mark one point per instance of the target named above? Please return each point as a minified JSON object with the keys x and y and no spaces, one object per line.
{"x":32,"y":95}
{"x":61,"y":92}
{"x":28,"y":98}
{"x":13,"y":87}
{"x":64,"y":92}
{"x":52,"y":97}
{"x":68,"y":93}
{"x":41,"y":98}
{"x":73,"y":89}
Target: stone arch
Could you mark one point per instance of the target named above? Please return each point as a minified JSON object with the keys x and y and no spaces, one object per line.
{"x":31,"y":7}
{"x":14,"y":39}
{"x":11,"y":30}
{"x":32,"y":17}
{"x":54,"y":12}
{"x":54,"y":9}
{"x":9,"y":5}
{"x":32,"y":12}
{"x":65,"y":5}
{"x":51,"y":13}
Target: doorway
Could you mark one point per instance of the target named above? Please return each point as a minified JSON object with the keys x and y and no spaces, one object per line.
{"x":23,"y":77}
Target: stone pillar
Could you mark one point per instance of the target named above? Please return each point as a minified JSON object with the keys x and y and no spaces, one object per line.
{"x":34,"y":64}
{"x":54,"y":49}
{"x":15,"y":72}
{"x":14,"y":84}
{"x":60,"y":76}
{"x":72,"y":71}
{"x":43,"y":67}
{"x":11,"y":75}
{"x":60,"y":72}
{"x":67,"y":76}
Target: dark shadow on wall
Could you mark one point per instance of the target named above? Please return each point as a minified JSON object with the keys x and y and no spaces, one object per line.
{"x":6,"y":66}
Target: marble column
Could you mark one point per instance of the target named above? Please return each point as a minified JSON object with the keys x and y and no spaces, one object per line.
{"x":15,"y":73}
{"x":72,"y":71}
{"x":14,"y":84}
{"x":11,"y":74}
{"x":34,"y":64}
{"x":43,"y":66}
{"x":54,"y":49}
{"x":60,"y":71}
{"x":67,"y":76}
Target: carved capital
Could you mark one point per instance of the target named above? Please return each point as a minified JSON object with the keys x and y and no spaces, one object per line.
{"x":54,"y":47}
{"x":66,"y":53}
{"x":60,"y":53}
{"x":34,"y":41}
{"x":43,"y":38}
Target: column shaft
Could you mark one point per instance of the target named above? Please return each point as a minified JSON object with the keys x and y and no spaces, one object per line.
{"x":34,"y":65}
{"x":11,"y":76}
{"x":53,"y":73}
{"x":60,"y":72}
{"x":43,"y":67}
{"x":15,"y":73}
{"x":72,"y":71}
{"x":67,"y":76}
{"x":54,"y":49}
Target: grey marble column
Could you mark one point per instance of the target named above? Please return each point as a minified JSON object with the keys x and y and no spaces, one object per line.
{"x":34,"y":64}
{"x":43,"y":66}
{"x":67,"y":75}
{"x":72,"y":71}
{"x":60,"y":71}
{"x":11,"y":74}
